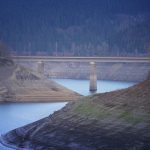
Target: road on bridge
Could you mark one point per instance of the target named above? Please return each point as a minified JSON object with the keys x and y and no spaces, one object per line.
{"x":82,"y":59}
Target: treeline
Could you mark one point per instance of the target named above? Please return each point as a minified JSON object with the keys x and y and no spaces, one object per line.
{"x":75,"y":29}
{"x":5,"y":58}
{"x":4,"y":52}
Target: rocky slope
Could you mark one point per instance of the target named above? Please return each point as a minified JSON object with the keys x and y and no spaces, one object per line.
{"x":18,"y":84}
{"x":118,"y":120}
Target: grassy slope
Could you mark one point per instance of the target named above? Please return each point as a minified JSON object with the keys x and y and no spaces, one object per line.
{"x":132,"y":104}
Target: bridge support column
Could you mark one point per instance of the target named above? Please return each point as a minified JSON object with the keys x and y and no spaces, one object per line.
{"x":93,"y":77}
{"x":40,"y":68}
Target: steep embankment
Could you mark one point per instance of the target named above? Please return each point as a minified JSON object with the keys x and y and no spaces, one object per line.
{"x":18,"y":84}
{"x":114,"y":120}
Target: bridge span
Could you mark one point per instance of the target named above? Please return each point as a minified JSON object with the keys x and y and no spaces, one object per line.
{"x":107,"y":68}
{"x":83,"y":59}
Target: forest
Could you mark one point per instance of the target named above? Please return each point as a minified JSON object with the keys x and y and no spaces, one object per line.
{"x":76,"y":28}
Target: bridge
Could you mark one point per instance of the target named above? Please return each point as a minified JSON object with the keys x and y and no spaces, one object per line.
{"x":105,"y":68}
{"x":82,"y":59}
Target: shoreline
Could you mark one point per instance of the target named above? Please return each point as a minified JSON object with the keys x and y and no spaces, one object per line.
{"x":110,"y":120}
{"x":4,"y":143}
{"x":21,"y":102}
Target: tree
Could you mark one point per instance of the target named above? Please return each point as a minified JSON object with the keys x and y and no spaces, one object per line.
{"x":4,"y":52}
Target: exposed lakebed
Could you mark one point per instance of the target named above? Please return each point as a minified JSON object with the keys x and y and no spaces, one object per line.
{"x":14,"y":115}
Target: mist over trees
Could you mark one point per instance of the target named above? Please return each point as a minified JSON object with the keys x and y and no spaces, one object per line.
{"x":76,"y":27}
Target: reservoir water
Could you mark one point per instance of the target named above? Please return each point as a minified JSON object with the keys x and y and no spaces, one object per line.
{"x":82,"y":86}
{"x":14,"y":115}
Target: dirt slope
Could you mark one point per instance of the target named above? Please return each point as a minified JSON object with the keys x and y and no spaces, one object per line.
{"x":18,"y":84}
{"x":118,"y":120}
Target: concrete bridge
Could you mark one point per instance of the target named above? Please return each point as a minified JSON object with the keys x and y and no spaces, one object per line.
{"x":82,"y":59}
{"x":107,"y":68}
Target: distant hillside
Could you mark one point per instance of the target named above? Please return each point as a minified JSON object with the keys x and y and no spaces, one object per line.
{"x":76,"y":28}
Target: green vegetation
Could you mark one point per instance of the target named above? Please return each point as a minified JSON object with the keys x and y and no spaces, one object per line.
{"x":89,"y":109}
{"x":133,"y":119}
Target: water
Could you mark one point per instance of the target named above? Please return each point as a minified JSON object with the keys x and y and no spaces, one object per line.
{"x":14,"y":115}
{"x":82,"y":86}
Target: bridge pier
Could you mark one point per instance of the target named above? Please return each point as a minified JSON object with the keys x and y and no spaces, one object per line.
{"x":93,"y":77}
{"x":40,"y":68}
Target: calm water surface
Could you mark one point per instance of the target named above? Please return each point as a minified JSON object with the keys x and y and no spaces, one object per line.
{"x":14,"y":115}
{"x":82,"y":86}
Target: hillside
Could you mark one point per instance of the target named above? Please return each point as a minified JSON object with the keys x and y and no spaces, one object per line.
{"x":76,"y":28}
{"x":18,"y":84}
{"x":113,"y":120}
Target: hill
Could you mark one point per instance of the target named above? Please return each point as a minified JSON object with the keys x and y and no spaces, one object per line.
{"x":76,"y":28}
{"x":113,"y":120}
{"x":18,"y":84}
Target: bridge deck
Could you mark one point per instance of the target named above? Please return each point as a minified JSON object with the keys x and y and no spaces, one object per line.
{"x":82,"y":59}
